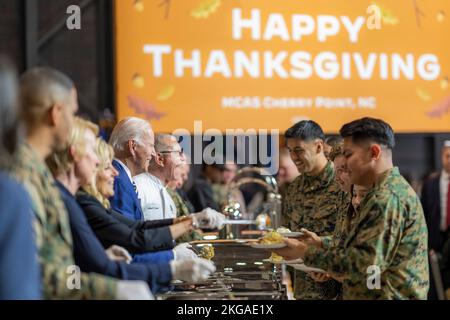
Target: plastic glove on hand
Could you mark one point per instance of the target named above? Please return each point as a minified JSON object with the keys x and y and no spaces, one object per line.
{"x":208,"y":219}
{"x":183,"y":252}
{"x":133,"y":290}
{"x":194,"y":270}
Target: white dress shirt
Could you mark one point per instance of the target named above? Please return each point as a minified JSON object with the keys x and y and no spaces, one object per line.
{"x":443,"y":190}
{"x":156,"y":202}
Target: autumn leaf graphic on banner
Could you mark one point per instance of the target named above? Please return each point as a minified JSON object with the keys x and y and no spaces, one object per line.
{"x":440,"y":109}
{"x":423,"y":95}
{"x":440,"y":16}
{"x":444,"y":83}
{"x":387,"y":17}
{"x":142,"y":107}
{"x":205,"y":9}
{"x":138,"y":81}
{"x":166,"y":93}
{"x":139,"y":5}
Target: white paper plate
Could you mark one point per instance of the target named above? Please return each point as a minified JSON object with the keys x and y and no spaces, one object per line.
{"x":268,"y":246}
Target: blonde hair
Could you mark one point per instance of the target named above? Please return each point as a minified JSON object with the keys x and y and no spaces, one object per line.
{"x":61,"y":161}
{"x":105,"y":155}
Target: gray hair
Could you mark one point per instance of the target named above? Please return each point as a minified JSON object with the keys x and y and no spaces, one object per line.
{"x":131,"y":128}
{"x":163,"y":141}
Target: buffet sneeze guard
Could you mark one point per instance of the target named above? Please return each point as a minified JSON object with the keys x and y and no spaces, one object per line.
{"x":270,"y":216}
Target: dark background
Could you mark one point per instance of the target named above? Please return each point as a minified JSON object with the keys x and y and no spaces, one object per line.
{"x":33,"y":32}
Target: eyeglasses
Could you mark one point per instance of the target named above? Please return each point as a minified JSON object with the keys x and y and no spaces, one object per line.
{"x":180,"y":152}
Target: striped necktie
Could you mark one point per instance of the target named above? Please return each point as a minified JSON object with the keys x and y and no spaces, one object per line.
{"x":135,"y":187}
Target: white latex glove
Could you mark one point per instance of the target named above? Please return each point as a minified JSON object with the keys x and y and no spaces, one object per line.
{"x":133,"y":290}
{"x":208,"y":219}
{"x":182,"y":252}
{"x":193,"y":270}
{"x":117,"y":253}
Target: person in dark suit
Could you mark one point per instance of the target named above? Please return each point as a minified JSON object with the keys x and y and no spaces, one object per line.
{"x":201,"y":194}
{"x":436,"y":202}
{"x":74,"y":166}
{"x":19,"y":269}
{"x":113,"y":228}
{"x":436,"y":206}
{"x":446,"y":265}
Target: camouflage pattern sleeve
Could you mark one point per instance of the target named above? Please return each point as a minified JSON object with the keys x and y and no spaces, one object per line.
{"x":285,"y":207}
{"x":381,"y":240}
{"x":60,"y":283}
{"x":340,"y":232}
{"x":182,"y":210}
{"x":368,"y":248}
{"x":327,"y":241}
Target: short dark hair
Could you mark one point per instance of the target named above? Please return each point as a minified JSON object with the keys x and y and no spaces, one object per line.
{"x":10,"y":130}
{"x":333,"y":140}
{"x":369,"y":129}
{"x":40,"y":88}
{"x":306,"y":130}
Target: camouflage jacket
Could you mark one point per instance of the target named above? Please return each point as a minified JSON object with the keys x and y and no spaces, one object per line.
{"x":282,"y":190}
{"x":343,"y":222}
{"x":388,"y":237}
{"x":182,"y":210}
{"x":314,"y":203}
{"x":53,"y":236}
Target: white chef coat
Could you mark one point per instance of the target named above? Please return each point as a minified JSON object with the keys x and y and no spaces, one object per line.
{"x":156,"y":202}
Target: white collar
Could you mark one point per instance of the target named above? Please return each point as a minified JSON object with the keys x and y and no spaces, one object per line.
{"x":128,"y":172}
{"x":445,"y":176}
{"x":156,"y":180}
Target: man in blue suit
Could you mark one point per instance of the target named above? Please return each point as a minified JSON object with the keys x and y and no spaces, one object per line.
{"x":133,"y":142}
{"x":125,"y":198}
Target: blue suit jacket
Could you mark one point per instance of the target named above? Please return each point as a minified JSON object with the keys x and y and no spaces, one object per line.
{"x":125,"y":199}
{"x":19,"y":270}
{"x":91,"y":257}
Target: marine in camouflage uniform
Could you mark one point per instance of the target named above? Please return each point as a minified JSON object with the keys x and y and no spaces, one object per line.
{"x":314,"y":203}
{"x":183,"y":211}
{"x":53,"y":235}
{"x":389,"y":232}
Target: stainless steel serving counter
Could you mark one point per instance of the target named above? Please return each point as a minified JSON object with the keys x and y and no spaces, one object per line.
{"x":241,"y":274}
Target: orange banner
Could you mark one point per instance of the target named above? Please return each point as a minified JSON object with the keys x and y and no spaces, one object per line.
{"x":266,"y":64}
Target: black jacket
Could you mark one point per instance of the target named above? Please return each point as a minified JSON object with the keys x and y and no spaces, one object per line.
{"x":90,"y":256}
{"x":111,"y":228}
{"x":431,"y":203}
{"x":201,"y":195}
